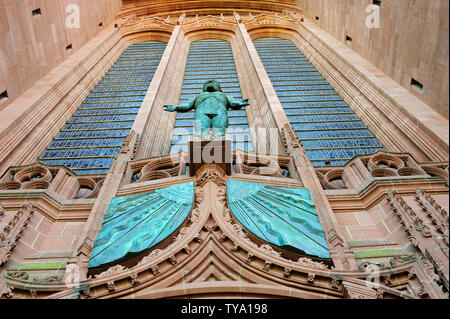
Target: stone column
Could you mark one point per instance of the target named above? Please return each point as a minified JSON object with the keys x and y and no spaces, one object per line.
{"x":152,"y":123}
{"x":340,"y":253}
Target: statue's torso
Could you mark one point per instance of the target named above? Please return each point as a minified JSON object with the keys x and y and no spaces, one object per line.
{"x":211,"y":103}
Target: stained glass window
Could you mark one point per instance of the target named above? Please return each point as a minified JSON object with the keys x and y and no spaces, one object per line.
{"x":211,"y":60}
{"x":329,"y":130}
{"x":91,"y":139}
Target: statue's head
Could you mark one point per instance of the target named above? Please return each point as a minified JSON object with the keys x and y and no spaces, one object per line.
{"x":212,"y":86}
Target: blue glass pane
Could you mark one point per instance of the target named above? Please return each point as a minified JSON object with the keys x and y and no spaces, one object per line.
{"x":210,"y":59}
{"x":329,"y":130}
{"x":91,"y":139}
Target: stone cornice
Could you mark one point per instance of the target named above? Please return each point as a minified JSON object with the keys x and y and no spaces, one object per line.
{"x":47,"y":203}
{"x":369,"y":196}
{"x":162,"y":8}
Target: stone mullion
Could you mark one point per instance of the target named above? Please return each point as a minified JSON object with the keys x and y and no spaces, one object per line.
{"x":339,"y":250}
{"x":176,"y":75}
{"x":152,"y":123}
{"x":253,"y":116}
{"x":275,"y":116}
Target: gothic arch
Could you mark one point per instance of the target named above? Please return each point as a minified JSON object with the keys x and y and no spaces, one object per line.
{"x":349,"y":85}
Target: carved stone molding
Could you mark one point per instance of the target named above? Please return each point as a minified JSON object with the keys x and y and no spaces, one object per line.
{"x":59,"y":179}
{"x":13,"y":231}
{"x":210,"y":173}
{"x":199,"y":244}
{"x":422,"y":237}
{"x":358,"y":291}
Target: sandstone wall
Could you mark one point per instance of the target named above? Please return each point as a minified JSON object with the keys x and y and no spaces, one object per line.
{"x":32,"y":44}
{"x":412,"y":41}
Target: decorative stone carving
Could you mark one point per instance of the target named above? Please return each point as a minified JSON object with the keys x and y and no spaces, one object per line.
{"x":223,"y":237}
{"x":210,"y":173}
{"x":155,"y":253}
{"x":263,"y":165}
{"x":435,"y":213}
{"x":18,"y":275}
{"x":398,"y":261}
{"x":33,"y":294}
{"x":335,"y":283}
{"x":311,"y":277}
{"x":429,"y":268}
{"x":358,"y":291}
{"x":12,"y":232}
{"x":187,"y":249}
{"x":114,"y":270}
{"x":9,"y":292}
{"x":86,"y":293}
{"x":287,"y":272}
{"x":307,"y":262}
{"x":269,"y":250}
{"x":198,"y":238}
{"x":155,"y":270}
{"x":158,"y":168}
{"x":134,"y":279}
{"x":290,"y":139}
{"x":173,"y":260}
{"x":60,"y":179}
{"x":111,"y":285}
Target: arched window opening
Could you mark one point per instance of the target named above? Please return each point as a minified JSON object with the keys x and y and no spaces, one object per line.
{"x":91,"y":139}
{"x":329,"y":130}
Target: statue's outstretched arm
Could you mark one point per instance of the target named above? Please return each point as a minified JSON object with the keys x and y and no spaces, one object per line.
{"x":181,"y":108}
{"x":235,"y":104}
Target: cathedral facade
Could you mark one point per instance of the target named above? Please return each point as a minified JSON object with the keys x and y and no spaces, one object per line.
{"x":332,"y":183}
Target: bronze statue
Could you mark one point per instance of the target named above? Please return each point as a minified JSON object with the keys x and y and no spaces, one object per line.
{"x":210,"y":109}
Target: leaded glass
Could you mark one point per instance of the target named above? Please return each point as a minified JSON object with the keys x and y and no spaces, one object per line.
{"x":91,"y":139}
{"x":329,"y":130}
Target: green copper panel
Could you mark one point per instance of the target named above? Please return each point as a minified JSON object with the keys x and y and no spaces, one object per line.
{"x":135,"y":223}
{"x":285,"y":217}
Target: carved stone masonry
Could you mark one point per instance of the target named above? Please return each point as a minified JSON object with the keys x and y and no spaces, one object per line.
{"x":358,"y":291}
{"x":406,"y":216}
{"x":111,"y":271}
{"x":134,"y":279}
{"x":267,"y":266}
{"x":287,"y":272}
{"x":11,"y":234}
{"x":311,"y":278}
{"x":155,"y":270}
{"x":111,"y":285}
{"x":435,"y":213}
{"x":173,"y":260}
